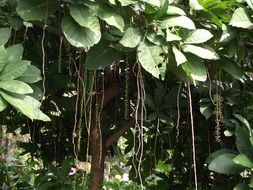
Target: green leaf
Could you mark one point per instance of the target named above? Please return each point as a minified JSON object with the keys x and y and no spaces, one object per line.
{"x":106,"y":13}
{"x":3,"y":57}
{"x":31,"y":10}
{"x":241,"y":19}
{"x":232,"y":68}
{"x":179,"y":56}
{"x":126,"y":2}
{"x":181,"y":21}
{"x":211,"y":157}
{"x":14,"y":53}
{"x":16,"y":86}
{"x":204,"y":52}
{"x":206,"y":110}
{"x":250,"y":3}
{"x":77,"y":35}
{"x":85,"y":18}
{"x":150,"y":57}
{"x":131,"y":38}
{"x":5,"y":35}
{"x":14,"y":69}
{"x":3,"y":104}
{"x":243,"y":160}
{"x":198,"y":36}
{"x":172,"y":10}
{"x":195,"y":68}
{"x":224,"y":164}
{"x":172,"y":37}
{"x":242,"y":186}
{"x":26,"y":105}
{"x":194,"y":4}
{"x":243,"y":141}
{"x":31,"y":75}
{"x":101,"y":55}
{"x":156,"y":3}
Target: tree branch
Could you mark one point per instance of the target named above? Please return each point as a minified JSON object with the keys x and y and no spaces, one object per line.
{"x":114,"y":137}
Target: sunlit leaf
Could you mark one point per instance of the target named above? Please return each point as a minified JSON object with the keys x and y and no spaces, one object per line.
{"x":5,"y":35}
{"x":194,"y":4}
{"x":172,"y":37}
{"x":172,"y":10}
{"x":179,"y":56}
{"x":243,"y":160}
{"x":241,"y":19}
{"x":131,"y":37}
{"x":16,"y":86}
{"x":150,"y":57}
{"x":31,"y":75}
{"x":198,"y":36}
{"x":181,"y":21}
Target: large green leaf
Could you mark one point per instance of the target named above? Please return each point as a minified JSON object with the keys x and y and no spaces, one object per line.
{"x":250,"y":3}
{"x":211,"y":157}
{"x":85,"y":17}
{"x":14,"y":69}
{"x":77,"y":35}
{"x":243,"y":141}
{"x":131,"y":37}
{"x":31,"y":10}
{"x":26,"y":105}
{"x":153,"y":2}
{"x":181,"y":21}
{"x":14,"y":53}
{"x":243,"y":160}
{"x":241,"y":19}
{"x":31,"y":75}
{"x":224,"y":164}
{"x":195,"y":68}
{"x":172,"y":10}
{"x":3,"y":57}
{"x":194,"y":4}
{"x":151,"y":59}
{"x":242,"y":186}
{"x":5,"y":35}
{"x":204,"y":52}
{"x":179,"y":56}
{"x":101,"y":55}
{"x":106,"y":13}
{"x":172,"y":37}
{"x":198,"y":36}
{"x":126,"y":2}
{"x":232,"y":68}
{"x":3,"y":104}
{"x":16,"y":86}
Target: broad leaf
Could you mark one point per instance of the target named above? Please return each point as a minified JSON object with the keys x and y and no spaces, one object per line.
{"x":14,"y":53}
{"x":3,"y":57}
{"x":5,"y":35}
{"x":241,"y":19}
{"x":26,"y":105}
{"x":16,"y":86}
{"x":31,"y":10}
{"x":204,"y":52}
{"x":14,"y":69}
{"x":31,"y":75}
{"x":250,"y":3}
{"x":243,"y":141}
{"x":126,"y":2}
{"x":3,"y":104}
{"x":198,"y":36}
{"x":156,"y":3}
{"x":243,"y":160}
{"x":194,"y":4}
{"x":150,"y":57}
{"x":211,"y":157}
{"x":172,"y":10}
{"x":171,"y":37}
{"x":179,"y":56}
{"x":224,"y":164}
{"x":181,"y":21}
{"x":77,"y":35}
{"x":242,"y":186}
{"x":101,"y":55}
{"x":232,"y":68}
{"x":195,"y":68}
{"x":131,"y":37}
{"x":85,"y":18}
{"x":106,"y":13}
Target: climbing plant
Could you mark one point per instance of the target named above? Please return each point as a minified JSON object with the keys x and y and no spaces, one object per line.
{"x":159,"y":90}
